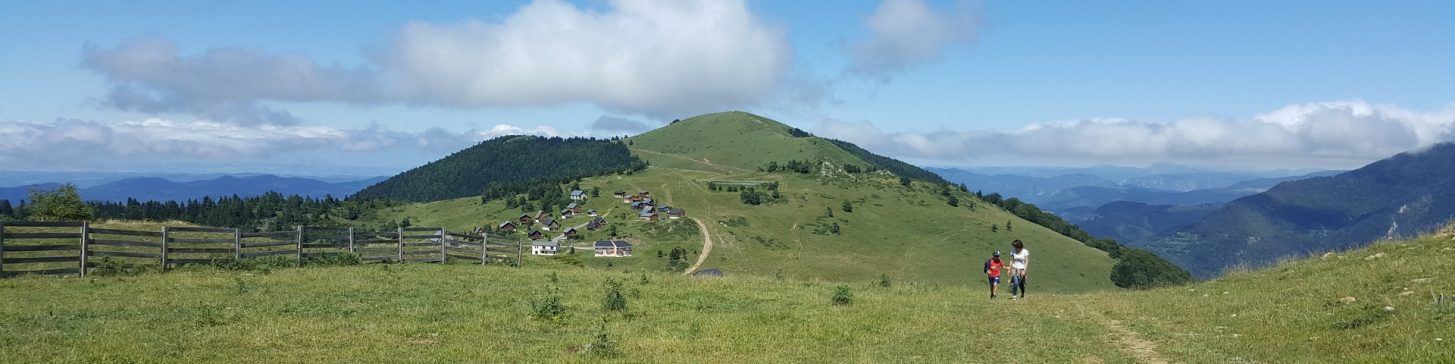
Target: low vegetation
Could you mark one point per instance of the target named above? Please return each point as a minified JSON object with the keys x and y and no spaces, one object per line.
{"x":1388,"y":303}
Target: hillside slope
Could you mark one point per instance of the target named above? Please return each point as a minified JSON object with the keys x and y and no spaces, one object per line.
{"x":504,"y":161}
{"x":1380,"y":304}
{"x":1400,"y":196}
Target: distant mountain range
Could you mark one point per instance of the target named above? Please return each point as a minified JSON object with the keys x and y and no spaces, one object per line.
{"x":163,"y":189}
{"x":1401,"y":196}
{"x":1079,"y":192}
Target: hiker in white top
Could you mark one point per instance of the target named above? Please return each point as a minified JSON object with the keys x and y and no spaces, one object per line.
{"x":1020,"y":261}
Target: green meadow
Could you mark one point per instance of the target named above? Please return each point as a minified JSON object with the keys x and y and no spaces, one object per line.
{"x":1380,"y":304}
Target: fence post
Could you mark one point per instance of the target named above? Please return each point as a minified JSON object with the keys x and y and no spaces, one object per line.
{"x":444,"y":246}
{"x":2,"y":249}
{"x":351,"y":240}
{"x":518,"y":251}
{"x":166,"y":235}
{"x":299,"y":239}
{"x":237,"y":244}
{"x":85,"y":232}
{"x":484,"y":248}
{"x":400,"y":257}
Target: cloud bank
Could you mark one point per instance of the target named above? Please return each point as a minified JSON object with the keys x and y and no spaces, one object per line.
{"x":1343,"y":133}
{"x":68,"y":143}
{"x":653,"y":57}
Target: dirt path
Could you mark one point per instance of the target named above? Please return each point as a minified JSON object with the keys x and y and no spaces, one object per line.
{"x":1130,"y":342}
{"x":706,"y":247}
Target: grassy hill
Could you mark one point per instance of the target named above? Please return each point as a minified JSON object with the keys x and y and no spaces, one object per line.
{"x":1377,"y":304}
{"x":908,"y":231}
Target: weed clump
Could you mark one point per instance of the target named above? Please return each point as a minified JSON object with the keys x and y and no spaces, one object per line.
{"x":614,"y":299}
{"x":547,"y":304}
{"x":884,"y":280}
{"x":601,"y":344}
{"x":111,"y":267}
{"x":842,"y":296}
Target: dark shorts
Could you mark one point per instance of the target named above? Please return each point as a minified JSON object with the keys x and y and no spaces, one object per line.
{"x":994,"y":280}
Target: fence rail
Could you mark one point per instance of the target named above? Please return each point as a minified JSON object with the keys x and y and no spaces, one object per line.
{"x":49,"y":248}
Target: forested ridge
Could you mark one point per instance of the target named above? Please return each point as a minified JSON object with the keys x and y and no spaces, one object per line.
{"x":506,"y":161}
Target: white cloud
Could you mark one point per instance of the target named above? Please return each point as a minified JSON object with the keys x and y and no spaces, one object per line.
{"x":648,"y":56}
{"x":664,"y":58}
{"x":1331,"y":134}
{"x":226,"y":84}
{"x":903,"y":33}
{"x":69,"y":143}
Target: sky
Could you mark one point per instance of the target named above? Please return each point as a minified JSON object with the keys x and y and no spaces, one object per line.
{"x":375,"y":88}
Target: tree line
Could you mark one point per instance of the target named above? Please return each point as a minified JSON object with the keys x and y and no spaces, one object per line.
{"x":507,"y":166}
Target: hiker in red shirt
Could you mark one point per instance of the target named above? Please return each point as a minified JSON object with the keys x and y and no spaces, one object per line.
{"x":992,"y":270}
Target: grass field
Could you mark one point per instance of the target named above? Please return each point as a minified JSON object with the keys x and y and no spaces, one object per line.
{"x":1295,"y":312}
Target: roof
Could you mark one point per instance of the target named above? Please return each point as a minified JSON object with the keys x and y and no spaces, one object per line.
{"x":507,"y":223}
{"x":573,"y":205}
{"x":577,"y":193}
{"x":533,"y":232}
{"x":676,"y":212}
{"x":548,"y":221}
{"x":612,"y":244}
{"x":543,"y":243}
{"x":647,"y":214}
{"x":710,"y":272}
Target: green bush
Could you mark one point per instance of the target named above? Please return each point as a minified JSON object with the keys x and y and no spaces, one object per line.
{"x":884,"y":280}
{"x":614,"y":299}
{"x":843,"y":296}
{"x":547,"y":304}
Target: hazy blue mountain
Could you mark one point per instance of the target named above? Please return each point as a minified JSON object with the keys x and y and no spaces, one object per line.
{"x":1403,"y":195}
{"x":1076,"y":195}
{"x":162,"y":189}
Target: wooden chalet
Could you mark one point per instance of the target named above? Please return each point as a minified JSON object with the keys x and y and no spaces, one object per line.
{"x":526,"y":219}
{"x":535,"y":235}
{"x":570,"y":233}
{"x":578,"y":195}
{"x":548,"y":224}
{"x":596,"y":223}
{"x":677,"y":213}
{"x":507,"y":227}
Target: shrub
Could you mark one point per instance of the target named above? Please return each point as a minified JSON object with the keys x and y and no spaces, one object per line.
{"x":601,"y":343}
{"x":547,"y":304}
{"x":884,"y":280}
{"x":111,"y":267}
{"x":614,"y":299}
{"x":843,"y":296}
{"x":338,"y":260}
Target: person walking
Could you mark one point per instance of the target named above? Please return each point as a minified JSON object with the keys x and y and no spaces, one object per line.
{"x":1020,"y":261}
{"x":993,"y":266}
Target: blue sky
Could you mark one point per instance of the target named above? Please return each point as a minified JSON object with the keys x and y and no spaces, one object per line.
{"x":378,"y":87}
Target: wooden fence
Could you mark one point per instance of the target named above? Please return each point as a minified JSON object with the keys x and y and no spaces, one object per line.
{"x":28,"y":247}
